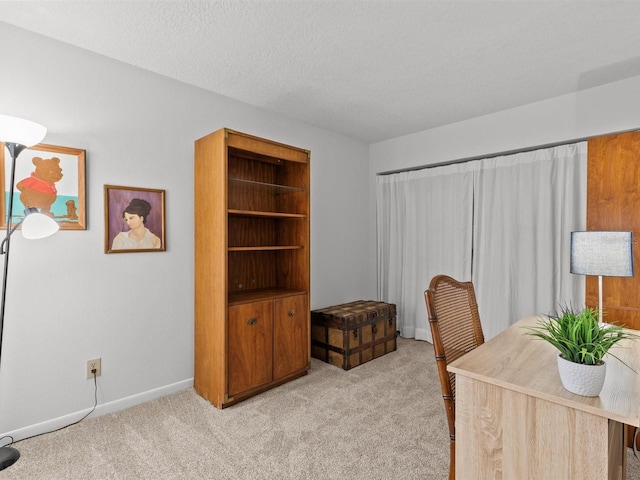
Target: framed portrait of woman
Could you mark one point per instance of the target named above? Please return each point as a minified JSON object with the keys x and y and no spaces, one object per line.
{"x":134,"y":220}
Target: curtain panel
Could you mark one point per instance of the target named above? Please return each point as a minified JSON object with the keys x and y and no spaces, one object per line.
{"x":503,"y":223}
{"x":424,"y":225}
{"x":525,"y":207}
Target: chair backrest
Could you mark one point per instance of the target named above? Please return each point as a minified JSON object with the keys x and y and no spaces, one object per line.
{"x":456,"y":330}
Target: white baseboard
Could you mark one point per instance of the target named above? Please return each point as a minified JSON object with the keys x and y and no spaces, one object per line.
{"x":101,"y":409}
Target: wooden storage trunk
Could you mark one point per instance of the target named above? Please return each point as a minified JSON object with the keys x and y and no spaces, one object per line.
{"x":353,"y":333}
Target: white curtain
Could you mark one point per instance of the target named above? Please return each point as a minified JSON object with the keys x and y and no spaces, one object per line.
{"x":424,"y":224}
{"x":526,"y":206}
{"x":503,"y":223}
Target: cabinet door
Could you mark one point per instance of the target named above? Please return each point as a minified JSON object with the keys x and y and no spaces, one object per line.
{"x":250,"y":336}
{"x":291,"y":335}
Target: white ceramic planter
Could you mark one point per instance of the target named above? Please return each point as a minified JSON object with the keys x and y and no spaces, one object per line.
{"x":586,"y":380}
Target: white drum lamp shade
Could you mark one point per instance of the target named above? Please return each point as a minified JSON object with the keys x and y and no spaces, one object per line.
{"x":609,"y":254}
{"x":605,"y":254}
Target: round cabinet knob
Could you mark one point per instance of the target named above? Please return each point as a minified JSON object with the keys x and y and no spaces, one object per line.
{"x":292,"y":312}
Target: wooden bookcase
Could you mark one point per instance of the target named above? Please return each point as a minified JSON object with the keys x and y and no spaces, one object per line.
{"x":251,"y":265}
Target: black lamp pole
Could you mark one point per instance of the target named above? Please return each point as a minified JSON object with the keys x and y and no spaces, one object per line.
{"x":8,"y":455}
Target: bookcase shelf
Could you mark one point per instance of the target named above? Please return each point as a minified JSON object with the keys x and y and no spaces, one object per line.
{"x":265,"y":248}
{"x":253,"y":213}
{"x":271,"y":188}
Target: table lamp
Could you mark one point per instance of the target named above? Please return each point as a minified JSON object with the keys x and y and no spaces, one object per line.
{"x":18,"y":134}
{"x":605,"y":254}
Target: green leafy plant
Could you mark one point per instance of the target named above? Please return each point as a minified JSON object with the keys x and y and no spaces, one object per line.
{"x":579,"y":336}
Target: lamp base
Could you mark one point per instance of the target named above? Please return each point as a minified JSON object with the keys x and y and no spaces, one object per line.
{"x":8,"y":456}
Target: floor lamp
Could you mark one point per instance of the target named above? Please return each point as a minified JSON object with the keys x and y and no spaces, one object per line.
{"x":605,"y":254}
{"x":18,"y":134}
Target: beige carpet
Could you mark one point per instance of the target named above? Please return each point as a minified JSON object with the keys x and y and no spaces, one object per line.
{"x":382,"y":420}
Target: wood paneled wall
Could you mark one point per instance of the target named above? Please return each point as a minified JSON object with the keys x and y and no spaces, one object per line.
{"x":613,"y":203}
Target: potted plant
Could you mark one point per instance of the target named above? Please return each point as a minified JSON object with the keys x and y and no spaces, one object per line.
{"x":582,"y":342}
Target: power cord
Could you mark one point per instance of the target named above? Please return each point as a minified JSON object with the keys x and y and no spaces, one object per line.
{"x":95,"y":404}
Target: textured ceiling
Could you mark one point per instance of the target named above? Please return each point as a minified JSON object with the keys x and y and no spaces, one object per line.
{"x":371,"y":70}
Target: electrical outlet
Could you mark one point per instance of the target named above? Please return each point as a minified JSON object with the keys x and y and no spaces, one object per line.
{"x":94,"y":365}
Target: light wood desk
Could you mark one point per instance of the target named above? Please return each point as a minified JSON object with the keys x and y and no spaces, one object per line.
{"x":515,"y":420}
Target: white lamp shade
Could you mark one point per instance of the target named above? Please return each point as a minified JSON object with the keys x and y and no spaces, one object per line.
{"x":21,"y":131}
{"x":607,"y":254}
{"x":38,"y":225}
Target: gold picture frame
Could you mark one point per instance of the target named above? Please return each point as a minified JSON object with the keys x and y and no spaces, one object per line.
{"x":50,"y":178}
{"x":132,"y":210}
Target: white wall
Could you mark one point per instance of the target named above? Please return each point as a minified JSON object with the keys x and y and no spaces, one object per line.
{"x":68,"y":302}
{"x":598,"y":111}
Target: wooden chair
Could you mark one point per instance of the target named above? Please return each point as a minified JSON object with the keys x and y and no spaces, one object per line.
{"x":456,"y":330}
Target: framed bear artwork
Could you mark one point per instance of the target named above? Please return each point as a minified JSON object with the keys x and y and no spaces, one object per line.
{"x":50,"y":178}
{"x":134,"y":220}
